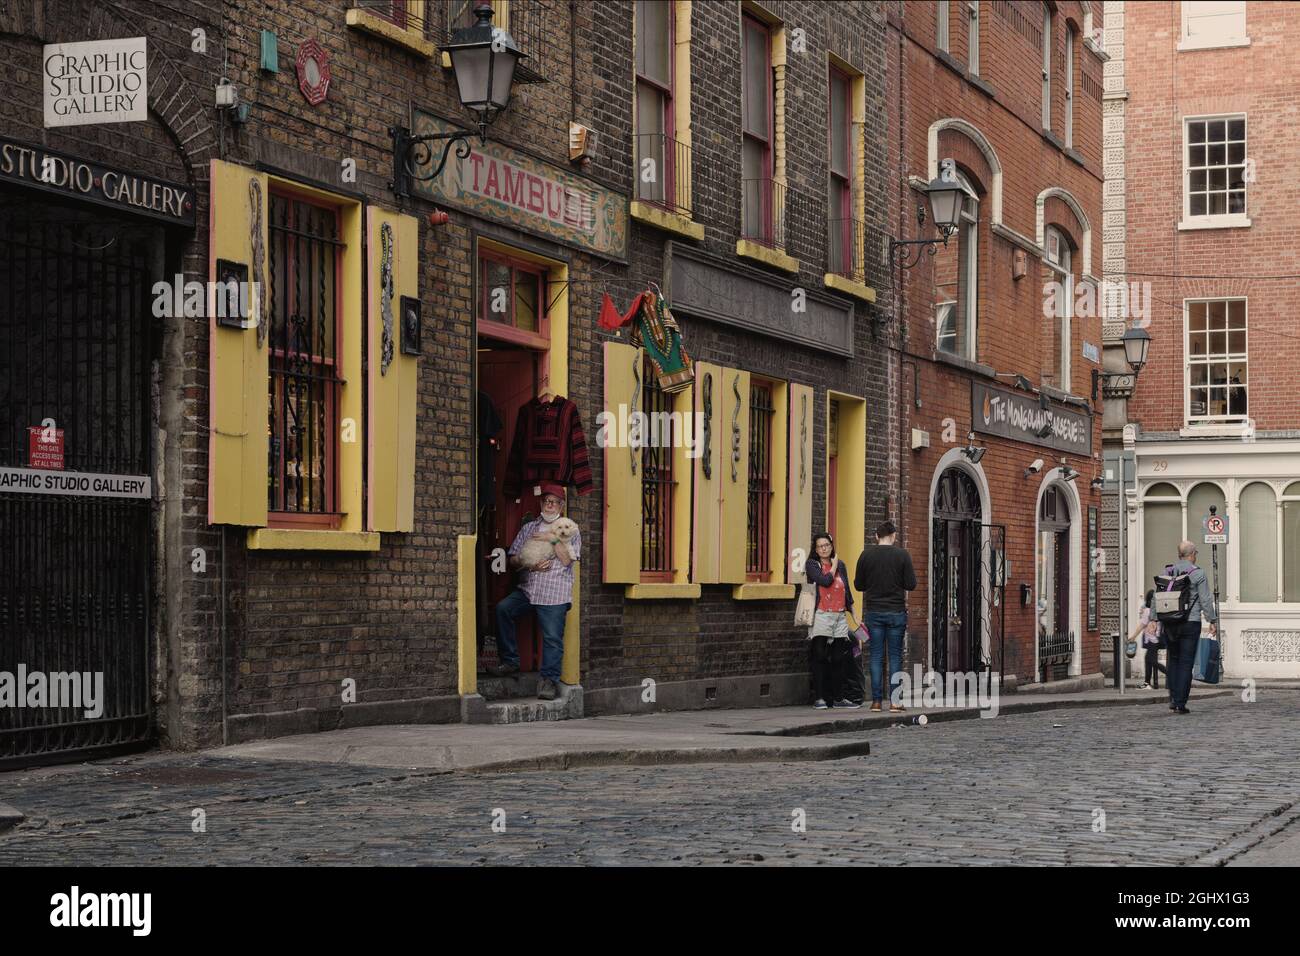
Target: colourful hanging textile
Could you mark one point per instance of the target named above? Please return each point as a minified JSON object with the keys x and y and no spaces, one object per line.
{"x":655,"y":330}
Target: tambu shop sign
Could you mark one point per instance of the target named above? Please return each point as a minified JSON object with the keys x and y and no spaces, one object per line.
{"x":100,"y":81}
{"x":52,"y":171}
{"x":1009,"y":414}
{"x":505,"y":185}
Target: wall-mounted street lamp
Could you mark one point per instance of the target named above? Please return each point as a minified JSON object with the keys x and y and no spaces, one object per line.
{"x":1121,"y":384}
{"x":946,"y":194}
{"x":483,"y":60}
{"x":972,"y":451}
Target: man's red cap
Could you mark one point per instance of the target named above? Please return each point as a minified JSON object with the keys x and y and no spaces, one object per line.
{"x":552,"y":488}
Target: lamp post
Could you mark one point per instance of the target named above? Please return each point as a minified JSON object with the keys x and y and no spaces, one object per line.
{"x":483,"y":60}
{"x":946,"y":194}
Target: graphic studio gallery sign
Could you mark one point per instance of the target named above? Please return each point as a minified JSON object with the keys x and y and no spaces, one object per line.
{"x":102,"y":81}
{"x":999,"y":411}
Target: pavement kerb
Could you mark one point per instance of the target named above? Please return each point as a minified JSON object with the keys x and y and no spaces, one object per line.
{"x":886,"y":719}
{"x":1278,"y":820}
{"x":578,"y":759}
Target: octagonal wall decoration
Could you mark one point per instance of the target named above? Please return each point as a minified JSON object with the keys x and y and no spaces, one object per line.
{"x":313,"y":72}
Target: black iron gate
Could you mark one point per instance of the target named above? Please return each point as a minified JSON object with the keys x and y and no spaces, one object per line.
{"x":968,"y":595}
{"x":75,"y":320}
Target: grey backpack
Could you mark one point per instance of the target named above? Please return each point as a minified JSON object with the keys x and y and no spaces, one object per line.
{"x":1172,"y":602}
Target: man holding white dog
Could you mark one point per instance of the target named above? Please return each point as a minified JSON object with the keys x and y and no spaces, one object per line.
{"x":546,"y":588}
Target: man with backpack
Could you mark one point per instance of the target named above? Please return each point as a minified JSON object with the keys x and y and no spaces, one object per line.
{"x":1182,"y":596}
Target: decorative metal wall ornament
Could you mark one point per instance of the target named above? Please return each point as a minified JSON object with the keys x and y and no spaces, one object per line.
{"x":259,"y":259}
{"x":708,"y":425}
{"x":735,"y":427}
{"x":386,"y":295}
{"x":803,"y":445}
{"x":636,"y":398}
{"x":313,"y":72}
{"x":411,"y":331}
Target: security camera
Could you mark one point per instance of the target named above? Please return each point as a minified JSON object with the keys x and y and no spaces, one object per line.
{"x":1035,"y":468}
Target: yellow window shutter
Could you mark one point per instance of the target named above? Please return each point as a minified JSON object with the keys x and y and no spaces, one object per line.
{"x":800,"y":474}
{"x":733,"y":522}
{"x":238,"y":371}
{"x":708,"y":474}
{"x":393,"y":251}
{"x":623,"y":383}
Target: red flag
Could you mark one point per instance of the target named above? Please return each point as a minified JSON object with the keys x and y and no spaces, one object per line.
{"x":609,"y":317}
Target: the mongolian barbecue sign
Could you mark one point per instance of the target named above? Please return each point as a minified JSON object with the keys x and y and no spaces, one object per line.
{"x":1009,"y":414}
{"x":56,"y":172}
{"x":502,"y":184}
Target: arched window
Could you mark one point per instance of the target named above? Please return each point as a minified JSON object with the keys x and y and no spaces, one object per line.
{"x":1162,"y":529}
{"x":1199,"y":501}
{"x":1291,"y":542}
{"x":1258,"y":538}
{"x":1058,"y":299}
{"x":956,"y":282}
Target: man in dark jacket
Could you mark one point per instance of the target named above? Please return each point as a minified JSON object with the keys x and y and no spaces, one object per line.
{"x":883,"y":578}
{"x":1183,"y":638}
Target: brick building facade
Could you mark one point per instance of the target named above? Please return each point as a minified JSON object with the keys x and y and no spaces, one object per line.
{"x":313,"y":553}
{"x":1004,"y":436}
{"x":1191,"y":194}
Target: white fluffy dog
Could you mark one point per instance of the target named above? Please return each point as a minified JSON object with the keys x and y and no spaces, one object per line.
{"x":537,"y":550}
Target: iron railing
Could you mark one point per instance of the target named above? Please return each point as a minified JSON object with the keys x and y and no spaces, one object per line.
{"x":1055,"y":651}
{"x":846,"y":248}
{"x":666,"y":179}
{"x":762,"y":217}
{"x":657,"y":482}
{"x":304,"y":380}
{"x":526,"y":24}
{"x":757,"y":557}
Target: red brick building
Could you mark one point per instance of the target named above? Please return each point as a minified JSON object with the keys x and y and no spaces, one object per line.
{"x":1000,"y":438}
{"x":1201,"y":188}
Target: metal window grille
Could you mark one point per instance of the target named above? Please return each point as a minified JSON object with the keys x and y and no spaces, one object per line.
{"x":758,"y":525}
{"x":657,"y":482}
{"x":304,"y":382}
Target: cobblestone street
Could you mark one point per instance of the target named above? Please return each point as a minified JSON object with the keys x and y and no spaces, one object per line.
{"x":1019,"y":789}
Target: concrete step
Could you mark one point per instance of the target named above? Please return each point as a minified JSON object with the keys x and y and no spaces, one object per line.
{"x":500,"y":688}
{"x":525,"y":710}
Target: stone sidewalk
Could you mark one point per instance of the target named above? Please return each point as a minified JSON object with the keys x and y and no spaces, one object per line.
{"x":664,"y":737}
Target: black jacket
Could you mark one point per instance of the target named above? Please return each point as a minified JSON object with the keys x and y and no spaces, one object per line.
{"x":884,"y":576}
{"x":823,"y":580}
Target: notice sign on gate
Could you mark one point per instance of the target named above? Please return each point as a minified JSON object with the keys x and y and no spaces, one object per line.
{"x":45,"y":448}
{"x":1215,"y":529}
{"x":39,"y":481}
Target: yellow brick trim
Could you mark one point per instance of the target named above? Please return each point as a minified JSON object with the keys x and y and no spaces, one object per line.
{"x":296,"y":539}
{"x":667,"y":221}
{"x":408,"y":39}
{"x":639,"y":592}
{"x":762,"y":591}
{"x":849,"y":287}
{"x":466,"y":625}
{"x":749,"y":249}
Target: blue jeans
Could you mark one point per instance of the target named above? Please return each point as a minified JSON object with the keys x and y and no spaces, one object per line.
{"x":1183,"y":639}
{"x":550,"y":618}
{"x":885,"y":626}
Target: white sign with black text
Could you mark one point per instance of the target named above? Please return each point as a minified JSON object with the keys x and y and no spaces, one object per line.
{"x":40,"y":481}
{"x":100,"y":81}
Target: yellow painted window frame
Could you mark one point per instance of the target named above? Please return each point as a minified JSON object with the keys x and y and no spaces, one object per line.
{"x":851,"y":491}
{"x":779,"y":586}
{"x":650,"y":214}
{"x":857,"y":125}
{"x":350,"y":534}
{"x":411,"y":38}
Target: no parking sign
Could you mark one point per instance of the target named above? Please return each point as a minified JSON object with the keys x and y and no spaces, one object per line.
{"x":1214,"y":529}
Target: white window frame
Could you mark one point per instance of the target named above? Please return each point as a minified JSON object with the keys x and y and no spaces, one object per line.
{"x":1186,"y":42}
{"x":1231,"y":220}
{"x":1061,"y":267}
{"x":941,"y":15}
{"x":1047,"y":67}
{"x":973,"y":32}
{"x":1069,"y":86}
{"x":969,"y":229}
{"x":1220,"y":422}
